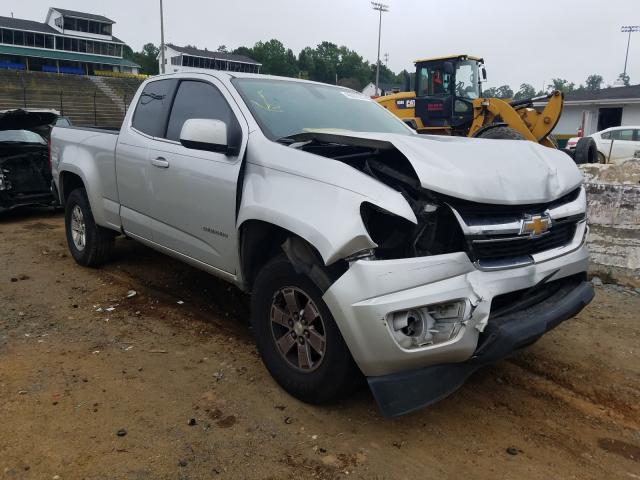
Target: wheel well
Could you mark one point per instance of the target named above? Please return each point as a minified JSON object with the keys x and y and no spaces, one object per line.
{"x":68,"y":183}
{"x":261,"y":241}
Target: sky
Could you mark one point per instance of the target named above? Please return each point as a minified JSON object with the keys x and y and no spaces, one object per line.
{"x":521,"y":41}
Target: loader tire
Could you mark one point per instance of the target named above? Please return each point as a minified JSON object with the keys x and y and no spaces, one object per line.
{"x":90,"y":245}
{"x":502,"y":133}
{"x":586,"y":151}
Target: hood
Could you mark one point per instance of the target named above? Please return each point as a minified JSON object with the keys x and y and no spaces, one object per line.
{"x":36,"y":120}
{"x":508,"y":172}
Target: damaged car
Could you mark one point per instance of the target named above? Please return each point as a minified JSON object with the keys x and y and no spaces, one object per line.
{"x":25,"y":171}
{"x":369,"y":251}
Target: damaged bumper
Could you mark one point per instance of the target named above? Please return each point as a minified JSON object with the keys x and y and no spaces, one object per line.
{"x":366,"y":300}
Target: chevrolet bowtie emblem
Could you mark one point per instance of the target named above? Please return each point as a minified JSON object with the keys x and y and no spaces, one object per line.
{"x":535,"y":225}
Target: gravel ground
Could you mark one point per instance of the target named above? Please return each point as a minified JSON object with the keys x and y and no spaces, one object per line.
{"x":95,"y":384}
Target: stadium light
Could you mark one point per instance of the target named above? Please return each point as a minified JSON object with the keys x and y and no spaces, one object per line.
{"x":380,"y":7}
{"x":628,"y":29}
{"x":162,"y":60}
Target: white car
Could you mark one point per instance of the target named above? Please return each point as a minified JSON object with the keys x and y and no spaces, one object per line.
{"x":626,"y":143}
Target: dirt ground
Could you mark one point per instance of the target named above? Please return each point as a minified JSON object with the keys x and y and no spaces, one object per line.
{"x":184,"y":387}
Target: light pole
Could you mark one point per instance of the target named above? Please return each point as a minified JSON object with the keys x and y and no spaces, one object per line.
{"x":161,"y":39}
{"x":380,"y":7}
{"x":628,"y":29}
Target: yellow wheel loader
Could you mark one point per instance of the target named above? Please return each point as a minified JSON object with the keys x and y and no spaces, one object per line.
{"x":447,"y":100}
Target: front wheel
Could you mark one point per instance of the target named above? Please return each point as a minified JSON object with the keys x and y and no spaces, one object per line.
{"x":501,"y":133}
{"x":298,"y":339}
{"x":89,"y":244}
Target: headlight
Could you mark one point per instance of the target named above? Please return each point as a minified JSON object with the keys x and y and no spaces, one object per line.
{"x":428,"y":325}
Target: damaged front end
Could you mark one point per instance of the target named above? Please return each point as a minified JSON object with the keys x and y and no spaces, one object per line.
{"x":467,"y":284}
{"x":25,"y":171}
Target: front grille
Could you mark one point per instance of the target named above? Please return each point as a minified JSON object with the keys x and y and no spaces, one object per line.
{"x":472,"y":210}
{"x":499,"y":247}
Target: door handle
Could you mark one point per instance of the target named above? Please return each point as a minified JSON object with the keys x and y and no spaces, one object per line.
{"x":160,"y":162}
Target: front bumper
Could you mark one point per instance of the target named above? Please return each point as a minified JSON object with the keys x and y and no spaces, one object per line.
{"x":404,"y":392}
{"x":362,"y":299}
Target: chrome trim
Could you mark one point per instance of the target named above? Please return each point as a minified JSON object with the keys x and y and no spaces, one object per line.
{"x":575,"y":208}
{"x":504,"y":264}
{"x":514,"y":226}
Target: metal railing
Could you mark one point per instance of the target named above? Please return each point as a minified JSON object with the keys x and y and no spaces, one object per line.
{"x":87,"y":107}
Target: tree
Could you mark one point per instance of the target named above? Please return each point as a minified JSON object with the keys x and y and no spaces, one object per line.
{"x":526,"y":91}
{"x":625,"y":79}
{"x":147,"y":58}
{"x":594,"y":82}
{"x":223,"y":49}
{"x":561,"y":84}
{"x":275,"y":59}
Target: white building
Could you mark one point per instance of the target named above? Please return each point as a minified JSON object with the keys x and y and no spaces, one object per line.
{"x":597,"y":110}
{"x":67,"y":42}
{"x":178,"y":59}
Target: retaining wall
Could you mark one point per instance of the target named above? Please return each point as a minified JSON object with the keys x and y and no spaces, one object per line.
{"x":613,"y":197}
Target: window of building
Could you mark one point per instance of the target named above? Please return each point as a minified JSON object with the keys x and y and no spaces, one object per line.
{"x":153,"y":106}
{"x":18,"y":37}
{"x":197,"y":100}
{"x":69,"y":23}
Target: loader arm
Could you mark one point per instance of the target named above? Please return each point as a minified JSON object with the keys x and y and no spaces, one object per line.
{"x":520,"y":115}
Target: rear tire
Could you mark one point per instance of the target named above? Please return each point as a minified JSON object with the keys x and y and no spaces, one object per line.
{"x":90,"y":245}
{"x":286,"y":340}
{"x":601,"y":158}
{"x":502,"y":133}
{"x":586,"y":151}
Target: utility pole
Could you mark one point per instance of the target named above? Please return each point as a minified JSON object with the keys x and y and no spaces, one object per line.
{"x":386,"y":59}
{"x":628,"y":29}
{"x":162,"y":60}
{"x":380,"y":7}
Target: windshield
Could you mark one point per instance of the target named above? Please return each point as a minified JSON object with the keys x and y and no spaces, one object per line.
{"x":467,"y":85}
{"x":21,"y":136}
{"x":283,"y":108}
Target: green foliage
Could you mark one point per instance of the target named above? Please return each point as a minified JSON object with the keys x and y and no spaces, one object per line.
{"x":526,"y":91}
{"x":147,"y":58}
{"x":561,"y":84}
{"x":503,"y":91}
{"x":625,"y":79}
{"x":594,"y":82}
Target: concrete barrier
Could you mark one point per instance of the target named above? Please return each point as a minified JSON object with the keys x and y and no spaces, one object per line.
{"x":613,"y":198}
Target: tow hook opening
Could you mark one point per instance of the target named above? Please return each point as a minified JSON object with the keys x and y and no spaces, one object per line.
{"x":427,"y":325}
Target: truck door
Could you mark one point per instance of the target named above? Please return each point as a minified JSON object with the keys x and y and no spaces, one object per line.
{"x":132,"y":156}
{"x":194,"y":191}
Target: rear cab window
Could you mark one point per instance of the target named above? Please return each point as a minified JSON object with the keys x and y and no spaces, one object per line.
{"x":153,"y":107}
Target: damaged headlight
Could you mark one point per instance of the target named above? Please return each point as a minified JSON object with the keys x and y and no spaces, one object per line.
{"x":428,"y":325}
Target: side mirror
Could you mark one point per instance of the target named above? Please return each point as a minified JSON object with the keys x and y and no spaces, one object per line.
{"x":205,"y":134}
{"x":484,"y":74}
{"x":448,"y":68}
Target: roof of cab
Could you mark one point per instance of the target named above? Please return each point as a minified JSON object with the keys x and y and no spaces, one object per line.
{"x":449,"y":57}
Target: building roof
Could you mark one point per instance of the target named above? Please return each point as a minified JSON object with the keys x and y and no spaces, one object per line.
{"x":605,"y":94}
{"x":86,"y":16}
{"x":61,"y":55}
{"x":20,"y":24}
{"x":196,"y":52}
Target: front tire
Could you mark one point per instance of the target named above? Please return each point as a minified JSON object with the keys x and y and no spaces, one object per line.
{"x":586,"y":151}
{"x":90,"y":245}
{"x":298,"y":339}
{"x":502,"y":133}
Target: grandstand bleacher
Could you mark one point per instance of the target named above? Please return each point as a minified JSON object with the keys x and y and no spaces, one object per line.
{"x":76,"y":96}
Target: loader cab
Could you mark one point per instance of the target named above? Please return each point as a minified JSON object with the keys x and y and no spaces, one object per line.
{"x":445,"y":90}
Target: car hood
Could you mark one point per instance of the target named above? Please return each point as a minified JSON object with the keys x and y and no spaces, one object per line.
{"x":38,"y":121}
{"x":480,"y":170}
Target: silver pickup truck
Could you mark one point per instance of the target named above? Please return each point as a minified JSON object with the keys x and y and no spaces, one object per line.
{"x":370,"y":251}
